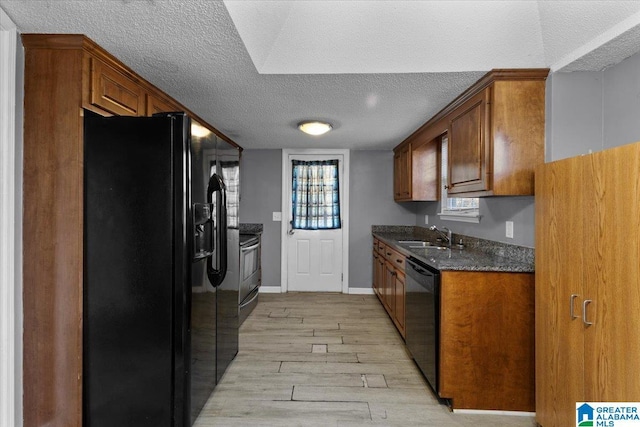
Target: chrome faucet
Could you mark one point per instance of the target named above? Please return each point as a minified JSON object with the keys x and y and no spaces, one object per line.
{"x":447,"y":237}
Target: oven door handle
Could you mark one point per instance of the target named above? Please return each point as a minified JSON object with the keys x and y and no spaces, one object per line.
{"x":249,"y":248}
{"x":255,"y":293}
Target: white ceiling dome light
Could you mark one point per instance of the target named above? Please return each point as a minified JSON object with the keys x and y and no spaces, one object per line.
{"x":314,"y":127}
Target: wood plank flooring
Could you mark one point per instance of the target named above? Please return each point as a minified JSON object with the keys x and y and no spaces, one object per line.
{"x":311,"y":359}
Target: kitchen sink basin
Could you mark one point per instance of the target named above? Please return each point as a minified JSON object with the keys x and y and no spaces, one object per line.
{"x":419,"y":244}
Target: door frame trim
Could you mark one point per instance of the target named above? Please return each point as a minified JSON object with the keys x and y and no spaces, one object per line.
{"x":344,"y":208}
{"x":8,"y":277}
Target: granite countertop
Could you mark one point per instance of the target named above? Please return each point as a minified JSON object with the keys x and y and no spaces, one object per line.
{"x":477,"y":255}
{"x":247,"y":228}
{"x":249,"y":232}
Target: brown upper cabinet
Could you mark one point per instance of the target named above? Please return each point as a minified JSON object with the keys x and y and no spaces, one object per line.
{"x":468,"y":146}
{"x":496,"y":134}
{"x":158,"y":105}
{"x":402,"y":172}
{"x":115,"y":92}
{"x":416,"y":170}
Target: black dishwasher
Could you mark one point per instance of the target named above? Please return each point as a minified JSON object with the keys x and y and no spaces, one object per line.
{"x":423,"y":318}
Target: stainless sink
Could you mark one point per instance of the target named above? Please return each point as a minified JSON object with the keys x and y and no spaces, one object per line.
{"x":428,"y":247}
{"x":420,"y":244}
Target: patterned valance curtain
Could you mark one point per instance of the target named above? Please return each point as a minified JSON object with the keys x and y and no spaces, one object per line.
{"x":315,"y":195}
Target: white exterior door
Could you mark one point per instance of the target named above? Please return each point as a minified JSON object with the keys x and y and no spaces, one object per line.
{"x":314,"y":257}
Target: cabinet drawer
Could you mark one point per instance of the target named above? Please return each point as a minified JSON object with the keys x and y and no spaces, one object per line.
{"x":115,"y":92}
{"x":397,"y":260}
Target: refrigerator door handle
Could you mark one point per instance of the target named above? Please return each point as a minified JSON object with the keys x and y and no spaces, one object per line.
{"x":216,"y":185}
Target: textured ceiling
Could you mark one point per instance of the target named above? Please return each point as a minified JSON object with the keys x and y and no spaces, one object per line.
{"x":376,"y":69}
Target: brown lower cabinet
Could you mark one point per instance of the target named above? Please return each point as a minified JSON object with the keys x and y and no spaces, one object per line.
{"x":389,"y":282}
{"x":587,"y":282}
{"x":487,"y":337}
{"x":487,"y":340}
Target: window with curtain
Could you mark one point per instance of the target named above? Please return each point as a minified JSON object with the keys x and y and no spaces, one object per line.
{"x":231,"y":177}
{"x":315,"y":195}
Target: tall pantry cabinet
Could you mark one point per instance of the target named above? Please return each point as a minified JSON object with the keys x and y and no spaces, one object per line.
{"x":587,"y":282}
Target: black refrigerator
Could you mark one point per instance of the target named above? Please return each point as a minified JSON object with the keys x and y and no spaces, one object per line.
{"x":161,"y":269}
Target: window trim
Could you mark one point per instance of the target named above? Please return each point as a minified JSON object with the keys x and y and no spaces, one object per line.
{"x":469,"y":215}
{"x":10,"y":340}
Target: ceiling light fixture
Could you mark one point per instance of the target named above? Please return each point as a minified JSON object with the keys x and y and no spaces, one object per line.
{"x":314,"y":127}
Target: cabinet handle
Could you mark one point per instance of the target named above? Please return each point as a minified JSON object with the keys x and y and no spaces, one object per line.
{"x":446,"y":187}
{"x":399,"y":261}
{"x":572,"y":299}
{"x":584,"y":312}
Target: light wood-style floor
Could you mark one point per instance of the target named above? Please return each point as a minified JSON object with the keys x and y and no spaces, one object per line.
{"x":309,"y":359}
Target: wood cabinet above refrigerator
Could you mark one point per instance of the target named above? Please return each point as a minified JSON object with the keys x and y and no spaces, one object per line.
{"x":64,"y":76}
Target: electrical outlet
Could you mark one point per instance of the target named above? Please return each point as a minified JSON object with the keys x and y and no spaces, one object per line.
{"x":277,"y":216}
{"x":426,"y":219}
{"x":509,"y":229}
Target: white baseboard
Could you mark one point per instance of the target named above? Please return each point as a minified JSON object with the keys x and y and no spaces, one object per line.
{"x":352,"y":291}
{"x":270,"y":290}
{"x":361,"y":291}
{"x":492,"y":412}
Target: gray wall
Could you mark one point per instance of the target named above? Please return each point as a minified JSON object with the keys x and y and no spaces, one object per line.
{"x":260,"y":195}
{"x":574,"y":114}
{"x":495,"y":212}
{"x":370,"y":203}
{"x":593,"y":110}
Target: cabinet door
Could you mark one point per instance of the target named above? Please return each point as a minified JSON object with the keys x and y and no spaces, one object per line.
{"x":397,"y":177}
{"x":375,"y":272}
{"x":157,"y":105}
{"x":381,"y":272}
{"x":402,"y":174}
{"x":399,"y":300}
{"x":389,"y":288}
{"x":469,"y":146}
{"x":559,"y":251}
{"x":425,"y":170}
{"x":406,"y":165}
{"x":115,"y":92}
{"x":612,"y":272}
